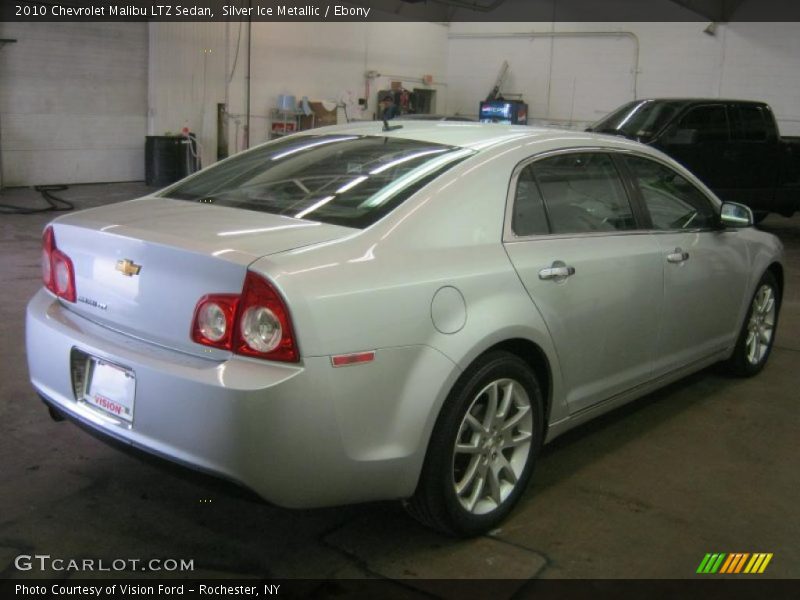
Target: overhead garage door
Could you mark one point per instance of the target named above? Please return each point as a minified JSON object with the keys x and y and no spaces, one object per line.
{"x":77,"y":109}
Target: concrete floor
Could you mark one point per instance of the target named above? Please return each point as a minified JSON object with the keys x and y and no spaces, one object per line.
{"x":709,"y":464}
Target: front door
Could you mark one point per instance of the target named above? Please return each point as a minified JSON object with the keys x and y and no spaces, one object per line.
{"x":700,"y":141}
{"x":704,"y":267}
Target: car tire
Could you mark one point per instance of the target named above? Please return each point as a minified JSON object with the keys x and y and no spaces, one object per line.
{"x":479,"y":460}
{"x":757,"y":334}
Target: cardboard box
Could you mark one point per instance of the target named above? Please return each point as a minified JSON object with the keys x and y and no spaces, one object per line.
{"x":322,"y":116}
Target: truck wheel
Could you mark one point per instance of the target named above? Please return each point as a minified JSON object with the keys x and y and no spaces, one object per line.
{"x":483,"y":448}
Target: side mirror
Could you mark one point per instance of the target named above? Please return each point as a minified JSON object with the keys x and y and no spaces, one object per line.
{"x":733,"y":214}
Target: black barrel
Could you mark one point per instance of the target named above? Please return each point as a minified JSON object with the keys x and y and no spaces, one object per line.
{"x":168,"y":158}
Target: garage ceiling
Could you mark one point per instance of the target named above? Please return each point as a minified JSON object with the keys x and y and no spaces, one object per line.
{"x":713,"y":10}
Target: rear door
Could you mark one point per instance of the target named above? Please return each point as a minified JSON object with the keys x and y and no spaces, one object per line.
{"x":593,"y":272}
{"x":756,"y":154}
{"x":705,"y":267}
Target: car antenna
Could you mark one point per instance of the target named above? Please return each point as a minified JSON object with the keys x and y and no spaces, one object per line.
{"x":387,"y":127}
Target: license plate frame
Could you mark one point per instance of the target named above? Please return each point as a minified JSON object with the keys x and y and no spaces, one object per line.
{"x":110,"y":389}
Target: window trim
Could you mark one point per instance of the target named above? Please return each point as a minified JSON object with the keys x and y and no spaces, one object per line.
{"x":640,"y":196}
{"x":641,"y":214}
{"x":509,"y":235}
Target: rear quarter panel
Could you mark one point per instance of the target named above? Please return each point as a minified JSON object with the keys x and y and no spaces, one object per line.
{"x":375,"y":290}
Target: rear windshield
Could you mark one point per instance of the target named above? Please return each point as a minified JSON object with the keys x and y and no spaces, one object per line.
{"x":639,"y":120}
{"x":340,"y":179}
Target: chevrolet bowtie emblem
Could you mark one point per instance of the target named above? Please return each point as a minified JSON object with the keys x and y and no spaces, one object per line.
{"x":128,"y":267}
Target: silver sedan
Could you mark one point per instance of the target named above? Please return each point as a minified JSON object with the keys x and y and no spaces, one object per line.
{"x":368,"y":312}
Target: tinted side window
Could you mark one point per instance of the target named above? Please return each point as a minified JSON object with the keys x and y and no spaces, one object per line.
{"x":583,"y":193}
{"x":529,"y":217}
{"x":709,"y":122}
{"x":749,"y":124}
{"x":672,"y":201}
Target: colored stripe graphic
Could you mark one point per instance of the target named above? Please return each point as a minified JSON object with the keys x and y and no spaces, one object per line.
{"x":703,"y":563}
{"x":727,"y":564}
{"x":734,"y":563}
{"x":737,"y":563}
{"x":754,"y":563}
{"x":764,"y":564}
{"x":739,"y":567}
{"x":715,"y":567}
{"x":711,"y":563}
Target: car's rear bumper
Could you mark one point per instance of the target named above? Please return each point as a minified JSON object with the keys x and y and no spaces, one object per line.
{"x":210,"y":480}
{"x":299,"y":435}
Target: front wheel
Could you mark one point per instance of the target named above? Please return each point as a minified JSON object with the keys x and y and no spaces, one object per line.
{"x":758,"y":331}
{"x":483,"y":448}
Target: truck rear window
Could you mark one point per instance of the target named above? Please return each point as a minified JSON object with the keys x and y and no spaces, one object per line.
{"x":345,"y":180}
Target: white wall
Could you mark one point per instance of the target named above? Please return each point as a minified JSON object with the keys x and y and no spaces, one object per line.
{"x":762,"y":61}
{"x":576,"y":78}
{"x":194,"y":66}
{"x":73,"y":102}
{"x":186,"y":79}
{"x":563,"y":73}
{"x":77,"y":99}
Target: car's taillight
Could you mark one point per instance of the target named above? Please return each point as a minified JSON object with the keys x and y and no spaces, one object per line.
{"x":255,"y":323}
{"x":213,"y":320}
{"x":264,"y":326}
{"x":58,"y":273}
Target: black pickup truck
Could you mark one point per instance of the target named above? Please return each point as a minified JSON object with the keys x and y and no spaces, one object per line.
{"x":733,"y":146}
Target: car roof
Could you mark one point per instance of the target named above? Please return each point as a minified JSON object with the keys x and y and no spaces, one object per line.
{"x":687,"y":101}
{"x":472,"y":135}
{"x":495,"y":139}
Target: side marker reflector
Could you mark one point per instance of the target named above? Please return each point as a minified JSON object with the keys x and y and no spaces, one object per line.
{"x":344,"y":360}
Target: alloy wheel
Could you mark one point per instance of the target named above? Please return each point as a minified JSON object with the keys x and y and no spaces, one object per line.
{"x":493,"y":446}
{"x":761,"y":326}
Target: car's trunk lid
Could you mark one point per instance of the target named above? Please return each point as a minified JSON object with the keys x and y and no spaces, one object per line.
{"x":141,"y":266}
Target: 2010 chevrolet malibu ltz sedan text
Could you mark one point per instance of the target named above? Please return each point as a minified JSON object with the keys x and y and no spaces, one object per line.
{"x":362,"y":312}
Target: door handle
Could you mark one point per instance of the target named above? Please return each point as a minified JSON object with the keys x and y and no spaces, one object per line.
{"x":558,"y":271}
{"x":678,"y":256}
